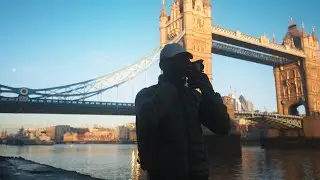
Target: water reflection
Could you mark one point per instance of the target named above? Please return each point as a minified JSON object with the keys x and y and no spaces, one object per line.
{"x":120,"y":162}
{"x":295,"y":164}
{"x":136,"y":171}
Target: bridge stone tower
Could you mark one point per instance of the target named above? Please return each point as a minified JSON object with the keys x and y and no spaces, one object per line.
{"x":299,"y":83}
{"x":193,"y":17}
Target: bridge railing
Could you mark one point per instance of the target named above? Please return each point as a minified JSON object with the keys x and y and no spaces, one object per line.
{"x":268,"y":114}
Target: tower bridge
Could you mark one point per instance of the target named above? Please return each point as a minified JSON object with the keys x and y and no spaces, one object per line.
{"x":295,"y":62}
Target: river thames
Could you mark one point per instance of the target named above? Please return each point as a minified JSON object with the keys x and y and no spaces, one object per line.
{"x":120,"y":162}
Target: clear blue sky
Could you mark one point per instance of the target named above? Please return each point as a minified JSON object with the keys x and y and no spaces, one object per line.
{"x":50,"y":43}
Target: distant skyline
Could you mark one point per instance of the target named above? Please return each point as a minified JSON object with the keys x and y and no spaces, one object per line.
{"x":53,"y":43}
{"x":16,"y":121}
{"x":99,"y":122}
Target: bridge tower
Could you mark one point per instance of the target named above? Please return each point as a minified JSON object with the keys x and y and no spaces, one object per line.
{"x":193,"y":17}
{"x":299,"y":83}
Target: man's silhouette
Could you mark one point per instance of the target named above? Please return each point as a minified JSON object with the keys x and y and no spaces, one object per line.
{"x":169,"y":116}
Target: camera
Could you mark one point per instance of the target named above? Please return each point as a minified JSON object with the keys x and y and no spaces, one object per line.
{"x":198,"y":65}
{"x":194,"y":68}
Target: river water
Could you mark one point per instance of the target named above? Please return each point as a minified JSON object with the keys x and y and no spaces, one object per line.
{"x":118,"y":162}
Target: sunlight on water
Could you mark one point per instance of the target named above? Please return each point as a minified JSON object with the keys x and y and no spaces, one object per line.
{"x":120,"y":162}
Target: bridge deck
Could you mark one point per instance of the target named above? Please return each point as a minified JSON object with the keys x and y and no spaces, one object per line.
{"x":248,"y":55}
{"x":256,"y":44}
{"x":67,"y":107}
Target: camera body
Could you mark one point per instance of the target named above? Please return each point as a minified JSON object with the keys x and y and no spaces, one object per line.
{"x":198,"y":66}
{"x":195,"y":68}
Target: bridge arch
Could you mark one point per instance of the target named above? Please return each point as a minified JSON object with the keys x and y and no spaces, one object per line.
{"x":298,"y":108}
{"x":294,"y":107}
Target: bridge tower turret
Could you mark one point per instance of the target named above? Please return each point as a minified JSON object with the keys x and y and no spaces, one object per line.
{"x":194,"y":17}
{"x":163,"y":22}
{"x":207,"y":8}
{"x":299,"y":83}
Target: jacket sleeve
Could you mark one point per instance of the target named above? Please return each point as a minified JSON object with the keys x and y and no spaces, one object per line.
{"x":213,"y":113}
{"x":151,"y":106}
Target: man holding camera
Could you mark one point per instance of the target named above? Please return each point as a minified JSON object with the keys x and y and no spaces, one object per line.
{"x":169,"y":116}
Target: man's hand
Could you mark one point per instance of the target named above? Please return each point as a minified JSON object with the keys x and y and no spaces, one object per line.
{"x":202,"y":82}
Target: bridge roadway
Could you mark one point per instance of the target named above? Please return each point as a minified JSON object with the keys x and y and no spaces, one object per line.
{"x":40,"y":106}
{"x":47,"y":106}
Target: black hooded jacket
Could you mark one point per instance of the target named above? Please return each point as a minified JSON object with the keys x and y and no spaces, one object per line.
{"x":169,"y":133}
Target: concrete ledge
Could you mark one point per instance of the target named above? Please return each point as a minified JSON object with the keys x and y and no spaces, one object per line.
{"x":18,"y":168}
